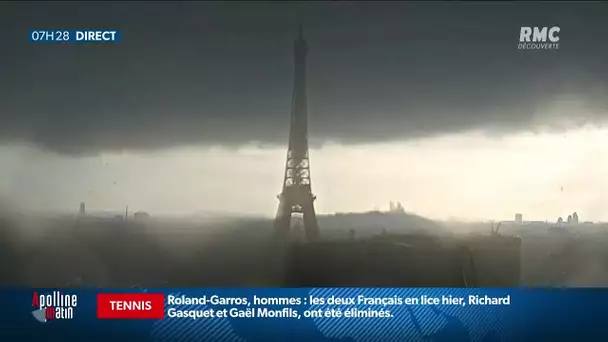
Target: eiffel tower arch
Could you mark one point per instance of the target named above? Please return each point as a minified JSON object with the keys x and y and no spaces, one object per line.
{"x":297,"y":196}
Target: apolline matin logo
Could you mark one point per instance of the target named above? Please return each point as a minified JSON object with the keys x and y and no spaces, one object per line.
{"x":538,"y":38}
{"x":53,"y":306}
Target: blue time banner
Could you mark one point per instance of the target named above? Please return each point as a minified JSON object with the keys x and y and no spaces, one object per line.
{"x":305,"y":314}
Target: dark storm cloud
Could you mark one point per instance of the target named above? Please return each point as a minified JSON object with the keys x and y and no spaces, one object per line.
{"x":212,"y":73}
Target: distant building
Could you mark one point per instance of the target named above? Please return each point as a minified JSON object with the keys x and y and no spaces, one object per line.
{"x":519,"y":218}
{"x":560,"y":220}
{"x":82,"y":210}
{"x":569,"y":219}
{"x":141,"y":215}
{"x":396,"y":207}
{"x":575,"y":218}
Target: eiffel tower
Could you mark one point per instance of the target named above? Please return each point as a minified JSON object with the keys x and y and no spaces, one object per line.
{"x":297,"y":195}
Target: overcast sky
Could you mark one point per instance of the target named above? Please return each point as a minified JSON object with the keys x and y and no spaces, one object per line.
{"x":435,"y":92}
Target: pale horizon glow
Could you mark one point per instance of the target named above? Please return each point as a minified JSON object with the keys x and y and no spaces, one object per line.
{"x":463,"y":176}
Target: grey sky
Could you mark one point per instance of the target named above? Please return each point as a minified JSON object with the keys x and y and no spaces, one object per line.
{"x":221,"y":73}
{"x":427,"y":103}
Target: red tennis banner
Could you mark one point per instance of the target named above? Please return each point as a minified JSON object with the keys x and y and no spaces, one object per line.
{"x":130,"y":305}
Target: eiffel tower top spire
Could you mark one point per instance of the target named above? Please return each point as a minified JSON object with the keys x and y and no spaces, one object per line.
{"x":301,"y":48}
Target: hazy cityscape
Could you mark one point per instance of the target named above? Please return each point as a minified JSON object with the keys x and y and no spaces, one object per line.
{"x":321,"y":144}
{"x":82,"y":249}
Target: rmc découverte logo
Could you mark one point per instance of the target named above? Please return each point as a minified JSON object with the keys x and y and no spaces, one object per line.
{"x":539,"y":38}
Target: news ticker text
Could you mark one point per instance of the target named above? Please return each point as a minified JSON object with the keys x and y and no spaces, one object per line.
{"x":159,"y":306}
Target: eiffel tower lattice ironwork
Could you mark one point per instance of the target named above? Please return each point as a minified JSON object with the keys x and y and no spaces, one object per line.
{"x":297,"y":195}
